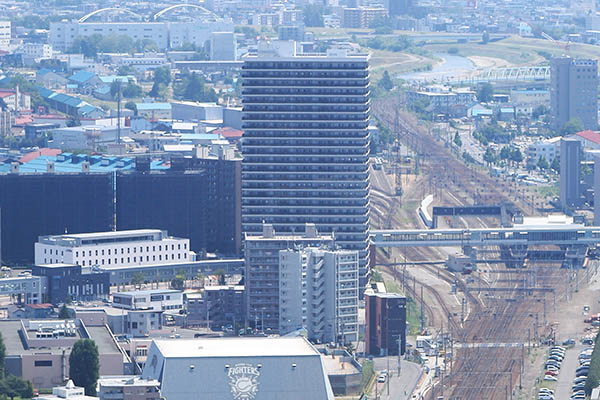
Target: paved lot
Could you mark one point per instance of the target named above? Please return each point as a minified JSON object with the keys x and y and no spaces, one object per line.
{"x":399,"y":386}
{"x":567,"y":373}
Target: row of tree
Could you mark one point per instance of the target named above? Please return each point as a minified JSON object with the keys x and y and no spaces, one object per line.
{"x":91,"y":45}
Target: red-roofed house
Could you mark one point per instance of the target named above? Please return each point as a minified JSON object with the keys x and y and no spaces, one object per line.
{"x":41,"y":152}
{"x":15,"y":100}
{"x":232,"y":135}
{"x":589,"y":139}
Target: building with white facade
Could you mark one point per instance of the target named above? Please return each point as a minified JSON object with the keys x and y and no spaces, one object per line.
{"x":223,"y":46}
{"x":318,"y":291}
{"x":547,"y":148}
{"x":5,"y":35}
{"x":86,"y":137}
{"x":156,"y":299}
{"x":36,"y":50}
{"x":262,"y":271}
{"x":112,"y":249}
{"x":164,"y":34}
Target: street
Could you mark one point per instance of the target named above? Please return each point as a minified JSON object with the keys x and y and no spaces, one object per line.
{"x":400,"y":387}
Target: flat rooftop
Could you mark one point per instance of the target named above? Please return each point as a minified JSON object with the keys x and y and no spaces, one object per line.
{"x":336,"y":366}
{"x":148,"y":292}
{"x":111,"y":234}
{"x":236,"y":347}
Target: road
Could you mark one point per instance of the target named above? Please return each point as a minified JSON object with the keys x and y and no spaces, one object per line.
{"x":567,"y":373}
{"x":400,"y":386}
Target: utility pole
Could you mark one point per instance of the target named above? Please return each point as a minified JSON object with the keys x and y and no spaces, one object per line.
{"x":119,"y":111}
{"x":422,"y":311}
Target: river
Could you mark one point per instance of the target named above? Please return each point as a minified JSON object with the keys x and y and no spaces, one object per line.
{"x":450,"y":66}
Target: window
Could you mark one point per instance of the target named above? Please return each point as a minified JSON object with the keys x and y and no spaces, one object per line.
{"x":96,"y":252}
{"x":76,"y":253}
{"x":43,"y":363}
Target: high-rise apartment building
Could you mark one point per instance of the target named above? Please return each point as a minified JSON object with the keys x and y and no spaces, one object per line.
{"x":262,"y":270}
{"x":574,"y":91}
{"x":306,"y":144}
{"x":318,"y":291}
{"x":570,"y":165}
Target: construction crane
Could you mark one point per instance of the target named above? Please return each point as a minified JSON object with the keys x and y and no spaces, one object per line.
{"x":566,"y":46}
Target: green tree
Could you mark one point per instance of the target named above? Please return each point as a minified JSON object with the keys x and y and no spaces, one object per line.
{"x":485,"y":38}
{"x":138,"y":279}
{"x":193,"y":88}
{"x":555,"y":166}
{"x":457,"y":140}
{"x":200,"y":278}
{"x":386,"y":82}
{"x":63,"y":313}
{"x":485,"y":92}
{"x":13,"y":386}
{"x":489,"y":156}
{"x":84,"y":365}
{"x":124,"y":70}
{"x":220,"y":273}
{"x":130,"y":105}
{"x":542,"y":163}
{"x":516,"y":156}
{"x":2,"y":356}
{"x":313,"y":15}
{"x":571,"y":127}
{"x":505,"y":153}
{"x":131,"y":90}
{"x":162,"y":79}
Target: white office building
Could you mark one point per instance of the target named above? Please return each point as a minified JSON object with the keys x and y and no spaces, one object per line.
{"x":156,"y":299}
{"x":223,"y":46}
{"x":164,"y":34}
{"x":113,"y":249}
{"x":318,"y":291}
{"x":5,"y":35}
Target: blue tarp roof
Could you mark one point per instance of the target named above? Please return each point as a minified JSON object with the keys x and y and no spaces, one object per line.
{"x":153,"y":106}
{"x":82,"y":76}
{"x":39,"y":164}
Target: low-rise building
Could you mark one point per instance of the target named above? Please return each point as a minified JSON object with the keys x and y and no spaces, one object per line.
{"x":89,"y":137}
{"x":112,"y":249}
{"x":26,"y":289}
{"x":241,"y":368}
{"x":156,"y":299}
{"x":72,"y":282}
{"x":442,"y":99}
{"x":225,"y":303}
{"x":69,"y":391}
{"x":547,"y":148}
{"x":38,"y":350}
{"x":128,"y":387}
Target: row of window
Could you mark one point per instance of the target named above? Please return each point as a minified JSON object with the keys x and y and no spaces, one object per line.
{"x":108,"y":260}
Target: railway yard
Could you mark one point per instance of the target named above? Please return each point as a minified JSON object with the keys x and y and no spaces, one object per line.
{"x":492,"y":321}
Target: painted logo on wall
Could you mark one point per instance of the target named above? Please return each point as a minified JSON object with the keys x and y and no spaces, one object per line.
{"x":243,"y":379}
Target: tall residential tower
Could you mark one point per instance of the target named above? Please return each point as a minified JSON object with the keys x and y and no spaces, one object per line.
{"x":306,"y":144}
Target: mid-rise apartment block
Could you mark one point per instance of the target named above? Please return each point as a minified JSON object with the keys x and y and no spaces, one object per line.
{"x":574,"y":91}
{"x":117,"y":249}
{"x":318,"y":291}
{"x":306,"y":144}
{"x":262,"y":271}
